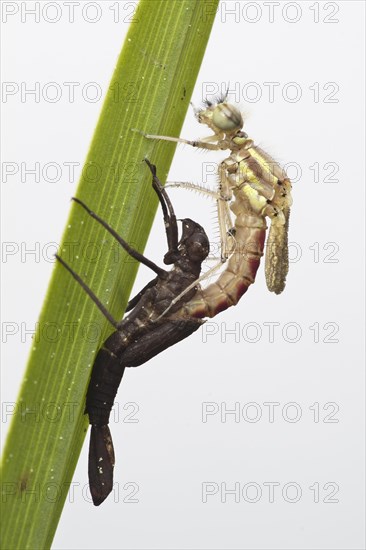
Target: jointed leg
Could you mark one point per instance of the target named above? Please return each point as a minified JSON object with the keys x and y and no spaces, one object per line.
{"x":193,"y":187}
{"x":88,"y":290}
{"x":170,"y":219}
{"x":201,"y":144}
{"x":131,"y":251}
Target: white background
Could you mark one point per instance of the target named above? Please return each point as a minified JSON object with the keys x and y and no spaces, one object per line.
{"x":168,"y":456}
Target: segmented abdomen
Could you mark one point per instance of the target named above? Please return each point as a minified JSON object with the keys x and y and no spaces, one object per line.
{"x":105,"y":379}
{"x":240,"y":270}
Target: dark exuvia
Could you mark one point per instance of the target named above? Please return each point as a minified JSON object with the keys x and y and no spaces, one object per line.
{"x":144,"y":333}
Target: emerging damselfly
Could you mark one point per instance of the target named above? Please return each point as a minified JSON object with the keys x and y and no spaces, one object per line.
{"x":172,"y":306}
{"x":253,"y":187}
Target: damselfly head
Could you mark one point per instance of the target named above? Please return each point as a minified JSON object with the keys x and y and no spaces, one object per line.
{"x":221,"y":117}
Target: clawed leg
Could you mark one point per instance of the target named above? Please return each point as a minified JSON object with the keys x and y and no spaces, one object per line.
{"x":194,"y":187}
{"x":131,"y":251}
{"x":90,"y":293}
{"x":201,"y":144}
{"x":171,"y":228}
{"x":170,"y":219}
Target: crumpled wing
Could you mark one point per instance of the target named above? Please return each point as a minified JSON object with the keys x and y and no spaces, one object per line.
{"x":276,"y":262}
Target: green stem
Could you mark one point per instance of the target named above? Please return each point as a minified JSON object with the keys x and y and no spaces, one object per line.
{"x":150,"y":90}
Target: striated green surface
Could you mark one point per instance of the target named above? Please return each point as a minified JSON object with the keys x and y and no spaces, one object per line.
{"x":150,"y":89}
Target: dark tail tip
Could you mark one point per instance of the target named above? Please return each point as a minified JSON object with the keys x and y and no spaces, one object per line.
{"x":101,"y":463}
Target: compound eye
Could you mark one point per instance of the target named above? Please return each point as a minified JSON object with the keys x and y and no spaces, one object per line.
{"x":226,"y":117}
